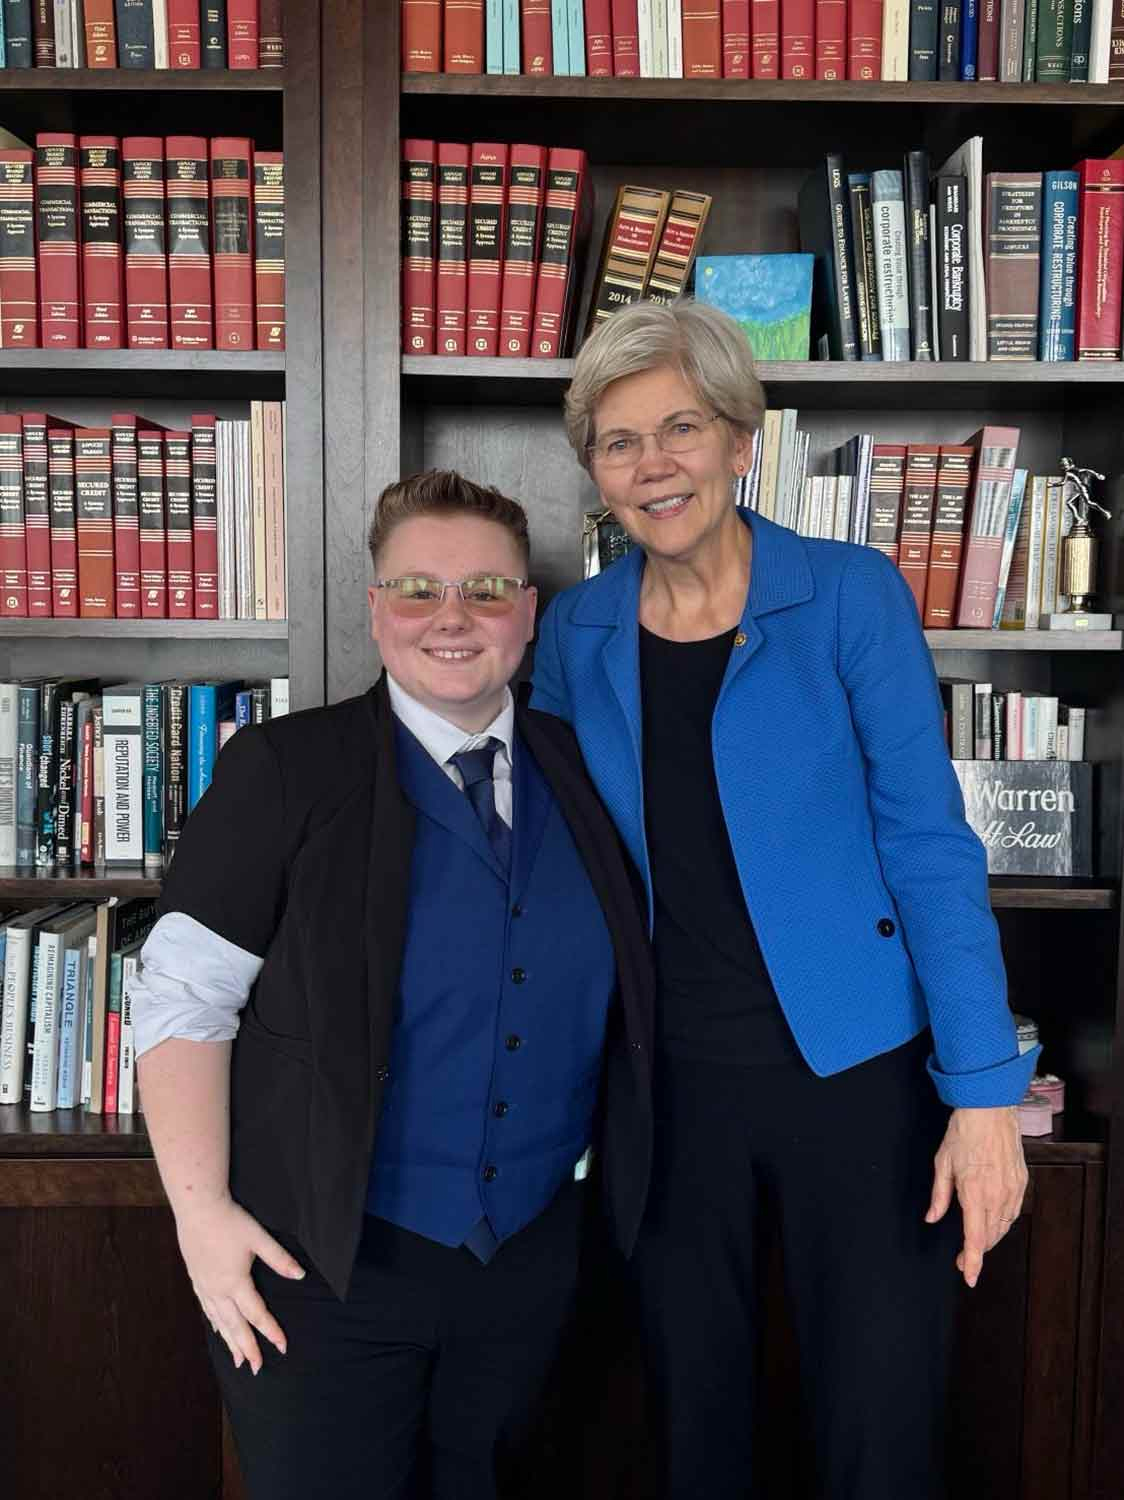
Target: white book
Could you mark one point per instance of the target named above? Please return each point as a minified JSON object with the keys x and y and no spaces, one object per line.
{"x":770,"y":464}
{"x":675,"y":38}
{"x":659,"y":39}
{"x":1038,"y":495}
{"x":257,"y":488}
{"x":1031,"y":716}
{"x":968,"y":162}
{"x":782,"y":505}
{"x":895,"y":41}
{"x":805,"y":509}
{"x":815,"y":510}
{"x":9,"y":737}
{"x":64,"y":52}
{"x":1014,"y":515}
{"x":243,"y":520}
{"x":78,"y":32}
{"x":1063,"y":741}
{"x":1100,"y":42}
{"x":1051,"y":552}
{"x":1014,"y":711}
{"x":89,"y":978}
{"x":278,"y":697}
{"x":20,"y":940}
{"x":160,"y":34}
{"x":1048,"y":727}
{"x":72,"y":1017}
{"x":887,"y":198}
{"x":123,"y":755}
{"x":647,"y":37}
{"x":127,"y":1066}
{"x":1076,"y":733}
{"x":844,"y":489}
{"x":65,"y":931}
{"x":224,"y":502}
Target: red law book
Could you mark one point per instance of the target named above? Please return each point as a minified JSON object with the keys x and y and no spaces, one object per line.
{"x":56,"y":214}
{"x":19,"y":300}
{"x":43,"y":32}
{"x":702,"y":39}
{"x":269,"y":248}
{"x":421,"y":36}
{"x":146,"y":247}
{"x":735,"y":38}
{"x":487,"y":196}
{"x":189,"y":241}
{"x":1100,"y":258}
{"x":538,"y":43}
{"x":567,"y":214}
{"x":101,"y":34}
{"x":233,"y":242}
{"x":204,"y":516}
{"x":152,"y":525}
{"x":766,"y":28}
{"x":242,"y":33}
{"x":626,"y":39}
{"x":63,"y":525}
{"x":93,"y":499}
{"x":831,"y":39}
{"x":13,"y":536}
{"x":987,"y":45}
{"x":954,"y":474}
{"x":864,"y":39}
{"x":921,"y":462}
{"x":271,"y":35}
{"x":37,"y":512}
{"x":452,"y":246}
{"x":177,"y":500}
{"x":464,"y":36}
{"x":986,"y":520}
{"x":184,"y":45}
{"x":599,"y":38}
{"x":419,"y":180}
{"x":887,"y":483}
{"x":103,"y":278}
{"x":798,"y":39}
{"x":525,"y":194}
{"x":86,"y":799}
{"x":126,"y":538}
{"x":112,"y":1060}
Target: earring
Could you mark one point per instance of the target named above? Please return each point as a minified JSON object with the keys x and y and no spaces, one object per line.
{"x":739,"y":470}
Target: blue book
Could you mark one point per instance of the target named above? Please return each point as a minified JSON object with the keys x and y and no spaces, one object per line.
{"x":560,"y":37}
{"x":208,"y":704}
{"x":19,"y":48}
{"x":70,"y":1057}
{"x":1057,"y":298}
{"x":152,"y":771}
{"x":969,"y":39}
{"x":493,"y":36}
{"x":770,"y":296}
{"x":243,"y":708}
{"x":512,"y":53}
{"x":577,"y":38}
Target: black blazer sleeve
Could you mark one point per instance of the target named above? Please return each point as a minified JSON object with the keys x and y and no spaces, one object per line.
{"x":229,"y":868}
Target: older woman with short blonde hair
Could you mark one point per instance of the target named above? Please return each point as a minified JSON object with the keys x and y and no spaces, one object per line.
{"x":760,"y":714}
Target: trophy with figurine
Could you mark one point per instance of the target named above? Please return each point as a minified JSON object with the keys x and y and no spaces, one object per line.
{"x":1079,"y":554}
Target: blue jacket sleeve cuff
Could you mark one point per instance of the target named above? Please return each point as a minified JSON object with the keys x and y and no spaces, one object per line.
{"x":986,"y":1088}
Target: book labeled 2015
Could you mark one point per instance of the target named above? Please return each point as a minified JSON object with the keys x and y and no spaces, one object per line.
{"x":678,"y":245}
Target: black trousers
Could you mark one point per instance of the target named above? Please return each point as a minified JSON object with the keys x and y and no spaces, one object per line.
{"x":410,"y":1387}
{"x":845,"y":1163}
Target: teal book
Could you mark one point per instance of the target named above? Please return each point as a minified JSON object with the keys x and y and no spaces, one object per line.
{"x":3,"y":42}
{"x":209,"y":703}
{"x":512,"y":52}
{"x":493,"y":36}
{"x":770,"y":296}
{"x":576,"y":16}
{"x":560,"y":37}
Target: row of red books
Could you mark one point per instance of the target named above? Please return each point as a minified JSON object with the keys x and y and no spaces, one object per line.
{"x":133,"y":520}
{"x":141,"y":243}
{"x":493,"y":241}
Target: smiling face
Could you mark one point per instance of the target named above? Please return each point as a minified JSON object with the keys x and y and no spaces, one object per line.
{"x":670,"y":503}
{"x":455,"y":662}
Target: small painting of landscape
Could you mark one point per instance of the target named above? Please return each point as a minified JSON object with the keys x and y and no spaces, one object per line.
{"x":769,"y":295}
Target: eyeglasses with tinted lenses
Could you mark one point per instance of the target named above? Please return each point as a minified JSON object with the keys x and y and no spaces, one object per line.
{"x":415,"y":596}
{"x":622,"y":448}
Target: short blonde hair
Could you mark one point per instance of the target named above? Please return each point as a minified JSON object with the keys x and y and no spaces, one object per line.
{"x":444,"y":492}
{"x":705,"y":344}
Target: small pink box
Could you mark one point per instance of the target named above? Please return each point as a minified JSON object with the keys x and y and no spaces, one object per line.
{"x":1050,"y":1086}
{"x":1035,"y":1116}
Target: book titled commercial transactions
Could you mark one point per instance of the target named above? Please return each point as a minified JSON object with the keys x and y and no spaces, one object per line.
{"x":103,"y":269}
{"x":628,"y":251}
{"x":146,"y":244}
{"x":232,"y":241}
{"x":269,"y":248}
{"x":56,"y":215}
{"x":567,"y":215}
{"x":189,"y":242}
{"x":1034,"y":817}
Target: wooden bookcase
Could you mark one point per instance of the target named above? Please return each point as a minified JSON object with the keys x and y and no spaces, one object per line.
{"x":104,"y":1312}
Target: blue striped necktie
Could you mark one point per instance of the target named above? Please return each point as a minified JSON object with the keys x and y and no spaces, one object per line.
{"x":475,"y":767}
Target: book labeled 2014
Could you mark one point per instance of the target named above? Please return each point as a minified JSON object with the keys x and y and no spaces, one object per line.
{"x":632,"y":238}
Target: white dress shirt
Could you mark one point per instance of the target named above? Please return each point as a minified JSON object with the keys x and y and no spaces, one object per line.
{"x":193,"y":983}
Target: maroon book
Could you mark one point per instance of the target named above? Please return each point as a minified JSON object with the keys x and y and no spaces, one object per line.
{"x":522,"y":235}
{"x":152,"y":524}
{"x":184,"y":44}
{"x":13,"y":537}
{"x":146,"y":245}
{"x":419,"y":181}
{"x":452,"y":246}
{"x":63,"y":525}
{"x":126,"y":537}
{"x":204,"y":516}
{"x":242,"y":33}
{"x":56,"y":215}
{"x":232,"y":238}
{"x":177,"y":496}
{"x":487,"y":202}
{"x":103,"y":280}
{"x":566,"y":220}
{"x":189,"y":241}
{"x":271,"y":36}
{"x":94,"y":506}
{"x":269,"y":248}
{"x":37,"y":512}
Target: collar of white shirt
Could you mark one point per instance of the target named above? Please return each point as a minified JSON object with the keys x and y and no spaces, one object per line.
{"x":441,"y":739}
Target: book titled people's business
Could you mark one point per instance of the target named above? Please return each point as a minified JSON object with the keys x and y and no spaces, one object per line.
{"x":770,"y":296}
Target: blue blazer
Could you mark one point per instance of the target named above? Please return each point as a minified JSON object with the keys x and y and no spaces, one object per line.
{"x":868,"y":890}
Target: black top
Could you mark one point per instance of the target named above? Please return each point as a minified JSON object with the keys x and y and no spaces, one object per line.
{"x":716,"y":1002}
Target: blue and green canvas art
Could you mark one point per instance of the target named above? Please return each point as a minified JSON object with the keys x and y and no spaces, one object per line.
{"x":769,"y":295}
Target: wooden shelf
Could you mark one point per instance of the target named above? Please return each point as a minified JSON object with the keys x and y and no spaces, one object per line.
{"x":134,"y":80}
{"x":77,"y":885}
{"x":201,"y":374}
{"x":1025,"y":640}
{"x":147,"y":630}
{"x":1040,"y":893}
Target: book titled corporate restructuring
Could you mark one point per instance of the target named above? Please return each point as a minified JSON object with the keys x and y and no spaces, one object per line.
{"x":770,"y":296}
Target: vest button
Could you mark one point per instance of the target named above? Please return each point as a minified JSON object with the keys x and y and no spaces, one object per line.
{"x":382,"y":1074}
{"x":499,"y":1109}
{"x":517,"y":910}
{"x":886,"y":928}
{"x":489,"y":1174}
{"x":518,"y":976}
{"x":513,"y":1043}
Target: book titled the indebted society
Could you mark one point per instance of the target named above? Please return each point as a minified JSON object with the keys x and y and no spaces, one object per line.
{"x":769,"y":295}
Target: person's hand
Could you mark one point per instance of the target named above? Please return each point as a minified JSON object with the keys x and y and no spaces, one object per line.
{"x":981,"y":1157}
{"x":218,"y":1242}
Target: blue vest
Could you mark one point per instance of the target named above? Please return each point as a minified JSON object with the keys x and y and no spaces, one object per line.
{"x":501,"y":1009}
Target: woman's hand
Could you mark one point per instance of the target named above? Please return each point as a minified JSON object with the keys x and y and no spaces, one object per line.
{"x":981,"y":1156}
{"x":219,"y":1241}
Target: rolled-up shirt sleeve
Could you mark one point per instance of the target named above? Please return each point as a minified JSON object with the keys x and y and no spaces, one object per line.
{"x":192,"y":983}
